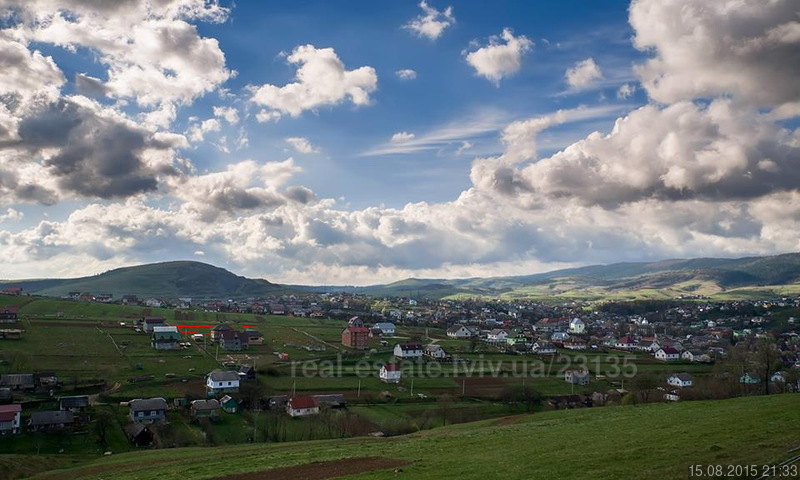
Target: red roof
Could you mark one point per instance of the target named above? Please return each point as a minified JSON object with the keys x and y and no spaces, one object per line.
{"x":392,"y":367}
{"x":358,"y":329}
{"x":670,"y":351}
{"x":9,"y":309}
{"x":13,"y":408}
{"x":302,"y":402}
{"x":7,"y":417}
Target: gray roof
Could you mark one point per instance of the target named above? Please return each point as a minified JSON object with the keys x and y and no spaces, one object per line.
{"x":11,"y":379}
{"x":51,"y":417}
{"x":211,"y":404}
{"x":79,"y":401}
{"x":223,"y":376}
{"x":144,"y":404}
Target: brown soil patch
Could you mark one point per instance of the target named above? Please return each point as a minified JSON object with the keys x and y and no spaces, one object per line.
{"x":507,"y":420}
{"x":487,"y":387}
{"x":322,"y":470}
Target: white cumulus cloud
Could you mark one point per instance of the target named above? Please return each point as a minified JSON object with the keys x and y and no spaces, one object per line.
{"x":502,"y":57}
{"x":301,"y":145}
{"x":431,"y":23}
{"x":402,"y":137}
{"x":322,"y":80}
{"x":583,"y":74}
{"x":406,"y":74}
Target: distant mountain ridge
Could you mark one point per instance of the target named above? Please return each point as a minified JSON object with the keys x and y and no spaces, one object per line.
{"x":700,"y":276}
{"x":166,"y":279}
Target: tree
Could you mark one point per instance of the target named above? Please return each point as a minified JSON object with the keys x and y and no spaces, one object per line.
{"x":766,"y":359}
{"x":102,"y":423}
{"x":645,"y":385}
{"x":444,"y":406}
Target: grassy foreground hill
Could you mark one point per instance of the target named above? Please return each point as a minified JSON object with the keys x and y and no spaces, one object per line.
{"x":644,"y":442}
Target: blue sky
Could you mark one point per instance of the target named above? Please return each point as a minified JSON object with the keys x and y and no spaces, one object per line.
{"x":307,"y":142}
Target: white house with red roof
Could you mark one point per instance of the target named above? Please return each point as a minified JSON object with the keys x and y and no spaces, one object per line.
{"x":668,"y":354}
{"x":302,"y":406}
{"x":10,"y":419}
{"x":390,"y":373}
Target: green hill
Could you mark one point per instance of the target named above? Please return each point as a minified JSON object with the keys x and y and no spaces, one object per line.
{"x":729,"y":278}
{"x":665,"y":279}
{"x":643,"y":442}
{"x":168,"y":279}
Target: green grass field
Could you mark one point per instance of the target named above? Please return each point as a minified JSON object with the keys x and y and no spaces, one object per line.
{"x":643,"y":442}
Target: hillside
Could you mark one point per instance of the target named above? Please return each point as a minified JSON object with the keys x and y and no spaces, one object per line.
{"x":663,"y":279}
{"x":168,"y":279}
{"x":724,"y":278}
{"x":645,"y":442}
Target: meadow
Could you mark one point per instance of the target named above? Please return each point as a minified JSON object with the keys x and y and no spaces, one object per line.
{"x":644,"y":442}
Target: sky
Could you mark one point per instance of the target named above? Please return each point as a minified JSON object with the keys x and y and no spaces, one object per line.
{"x":317,"y":142}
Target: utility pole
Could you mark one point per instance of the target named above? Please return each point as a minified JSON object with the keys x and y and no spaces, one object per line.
{"x":359,"y":389}
{"x":412,"y":386}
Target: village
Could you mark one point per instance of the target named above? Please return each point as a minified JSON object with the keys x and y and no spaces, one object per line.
{"x":212,"y":371}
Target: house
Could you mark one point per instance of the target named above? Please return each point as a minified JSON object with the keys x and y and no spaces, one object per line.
{"x":390,"y":373}
{"x":577,"y":326}
{"x":16,"y":291}
{"x":148,"y":410}
{"x":149,"y":323}
{"x":246,"y":372}
{"x":387,"y":329}
{"x":355,"y":336}
{"x":435,"y":351}
{"x":222,"y":381}
{"x":355,"y":322}
{"x":559,"y":336}
{"x":74,"y":404}
{"x":5,"y":395}
{"x":277,"y":309}
{"x":130,"y":300}
{"x":218,"y":330}
{"x":228,"y":404}
{"x":748,"y":379}
{"x":667,"y":354}
{"x":302,"y":406}
{"x":165,"y":338}
{"x":576,"y":377}
{"x":575,"y":344}
{"x":140,"y":435}
{"x":10,"y":418}
{"x":205,"y":408}
{"x":626,"y":343}
{"x":8,"y":314}
{"x":680,"y":380}
{"x":694,"y":355}
{"x":408,"y":350}
{"x":497,"y":335}
{"x":459,"y":331}
{"x":543,"y":348}
{"x":254,"y":337}
{"x":233,"y":341}
{"x":17,"y":381}
{"x":778,"y":377}
{"x":672,"y":396}
{"x":153,"y":303}
{"x":50,"y":420}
